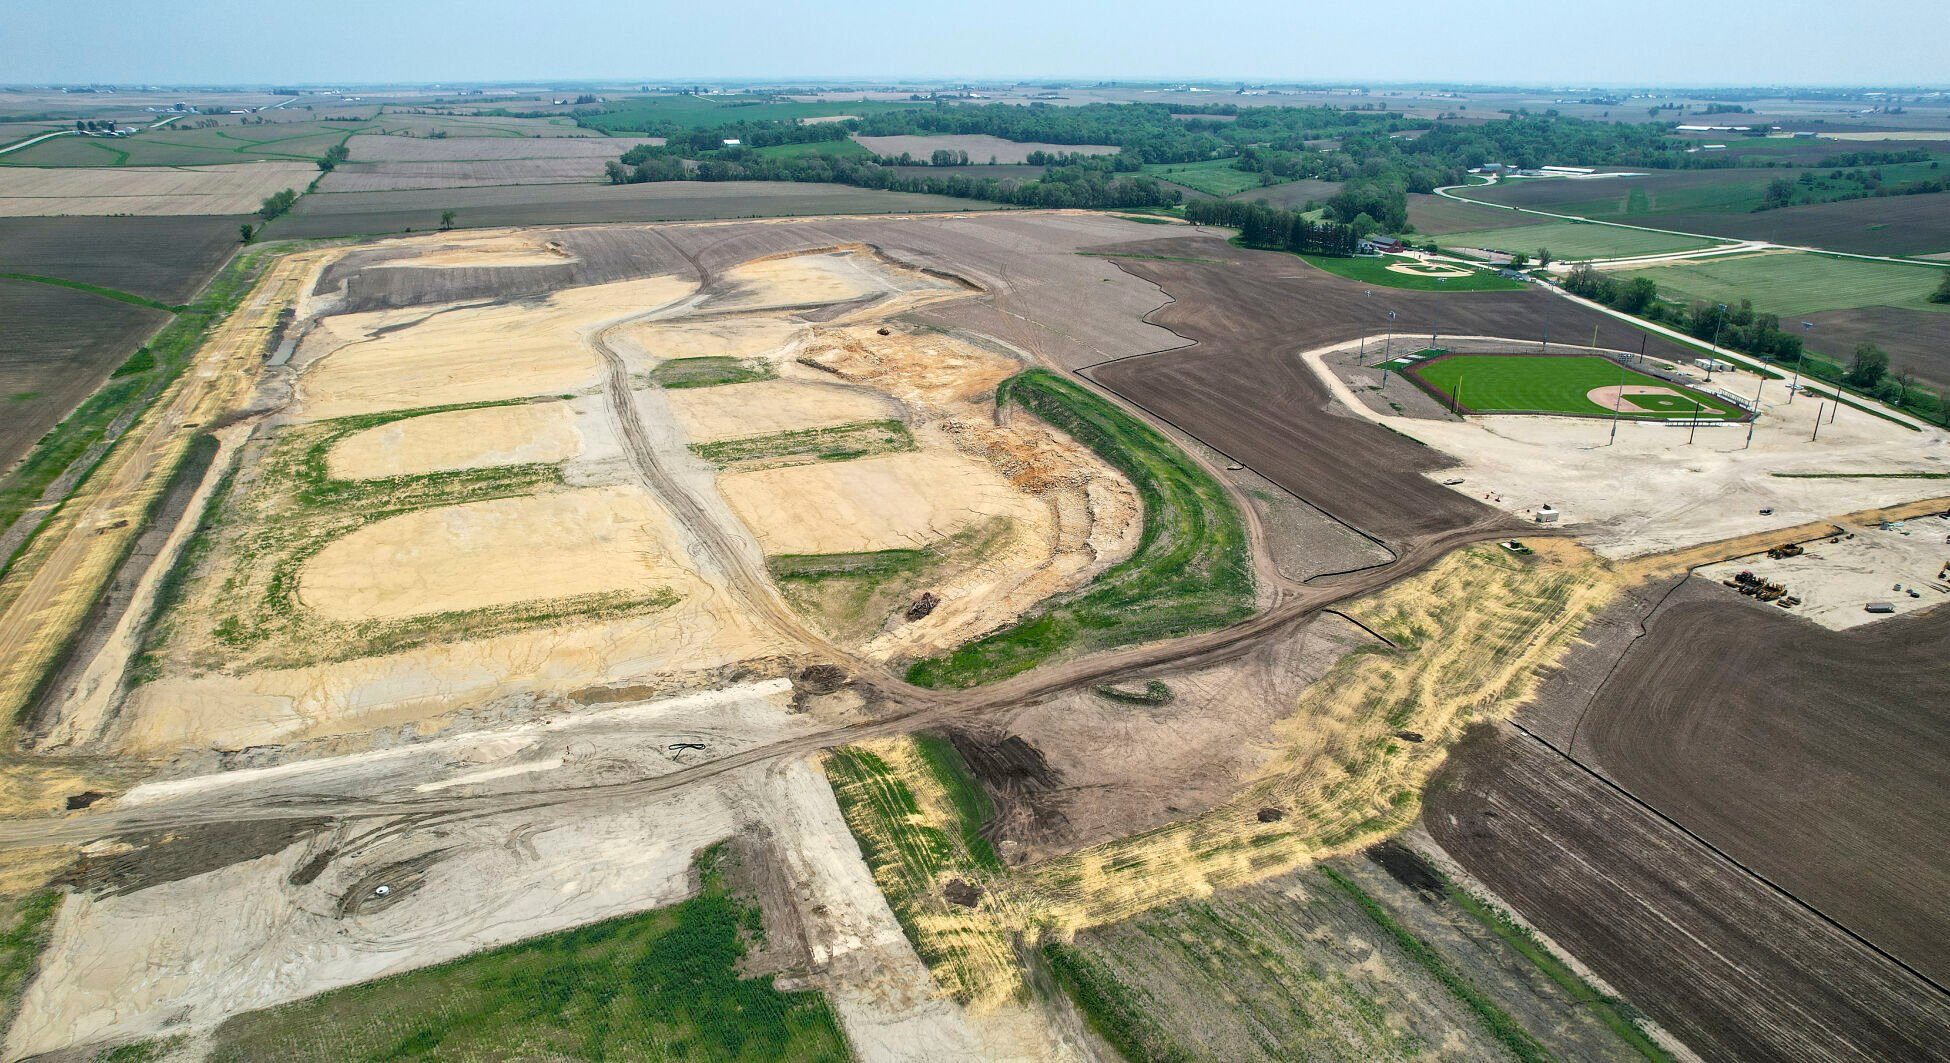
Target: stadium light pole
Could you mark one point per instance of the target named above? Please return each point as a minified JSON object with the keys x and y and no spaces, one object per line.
{"x":1795,"y":384}
{"x":1755,"y":419}
{"x":1694,"y":430}
{"x":1716,"y":343}
{"x":1816,"y":434}
{"x":1545,"y":349}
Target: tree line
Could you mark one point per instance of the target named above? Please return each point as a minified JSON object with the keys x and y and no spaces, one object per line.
{"x":1268,"y":227}
{"x":1083,"y":183}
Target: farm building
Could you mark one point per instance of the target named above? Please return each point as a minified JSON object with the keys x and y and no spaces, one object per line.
{"x":1378,"y":244}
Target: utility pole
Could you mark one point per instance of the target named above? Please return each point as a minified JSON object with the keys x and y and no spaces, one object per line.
{"x":1816,"y":434}
{"x":1594,"y":336}
{"x":1690,"y":432}
{"x":1547,"y":339}
{"x":1795,"y":384}
{"x":1643,"y":336}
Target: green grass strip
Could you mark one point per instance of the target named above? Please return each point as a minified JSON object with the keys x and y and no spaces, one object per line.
{"x":841,"y":442}
{"x":1111,"y":1008}
{"x":25,"y":934}
{"x":663,"y":984}
{"x":1614,"y":1013}
{"x":972,"y":805}
{"x":94,"y":289}
{"x":1505,"y":1029}
{"x":1191,"y":571}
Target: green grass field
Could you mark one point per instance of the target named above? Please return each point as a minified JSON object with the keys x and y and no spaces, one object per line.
{"x":832,"y":149}
{"x":1215,"y":177}
{"x":1797,"y":283}
{"x":1505,"y":383}
{"x":1372,"y":270}
{"x":660,"y":985}
{"x":1570,"y":240}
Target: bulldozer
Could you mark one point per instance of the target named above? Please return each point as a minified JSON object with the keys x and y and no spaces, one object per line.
{"x":1786,"y":550}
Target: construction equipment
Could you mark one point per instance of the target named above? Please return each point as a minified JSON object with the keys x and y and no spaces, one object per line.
{"x":1786,"y":550}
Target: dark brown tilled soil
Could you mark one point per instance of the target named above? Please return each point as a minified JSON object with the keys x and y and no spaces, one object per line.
{"x":1817,"y":758}
{"x":1731,"y":967}
{"x":166,"y":259}
{"x":1243,"y":391}
{"x":1917,"y":340}
{"x":57,"y":345}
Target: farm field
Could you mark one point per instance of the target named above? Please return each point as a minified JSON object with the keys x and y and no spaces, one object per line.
{"x":1357,"y":958}
{"x":1570,"y":241}
{"x":980,"y":148}
{"x":1292,"y":195}
{"x":1731,"y":967}
{"x":1565,"y":384}
{"x":166,"y":259}
{"x":1857,"y":729}
{"x":1796,"y":284}
{"x":146,"y":191}
{"x":1219,"y":177}
{"x":1641,"y":198}
{"x":1897,"y":225}
{"x":649,"y":113}
{"x":1915,"y":339}
{"x":376,"y":148}
{"x":58,"y":346}
{"x":376,"y":213}
{"x":1438,"y":216}
{"x":399,"y":176}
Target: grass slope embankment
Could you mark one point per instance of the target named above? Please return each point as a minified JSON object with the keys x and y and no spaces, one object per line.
{"x":94,"y":289}
{"x":660,"y":985}
{"x":1190,"y":572}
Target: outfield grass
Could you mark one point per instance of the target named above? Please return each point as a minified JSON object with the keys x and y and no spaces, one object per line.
{"x":1190,"y":572}
{"x":660,"y":985}
{"x":1570,"y":240}
{"x":1507,"y":383}
{"x":1796,"y":283}
{"x":1216,"y":177}
{"x":1374,"y":270}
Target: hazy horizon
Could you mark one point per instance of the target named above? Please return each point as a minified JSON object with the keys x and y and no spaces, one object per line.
{"x":1521,"y":44}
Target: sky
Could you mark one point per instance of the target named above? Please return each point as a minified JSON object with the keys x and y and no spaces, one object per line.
{"x":1512,"y":42}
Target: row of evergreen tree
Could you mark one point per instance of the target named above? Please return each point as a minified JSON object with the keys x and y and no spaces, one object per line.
{"x":1270,"y":227}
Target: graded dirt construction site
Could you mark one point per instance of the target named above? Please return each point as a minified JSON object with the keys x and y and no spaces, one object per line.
{"x":762,"y":640}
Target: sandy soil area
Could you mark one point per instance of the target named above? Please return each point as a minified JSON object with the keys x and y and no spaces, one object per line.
{"x":739,"y":336}
{"x":499,"y":552}
{"x":460,"y":439}
{"x":764,"y":407}
{"x":1652,"y":490}
{"x":889,"y":502}
{"x":406,"y":359}
{"x":801,"y":280}
{"x":513,"y":249}
{"x":1834,"y":580}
